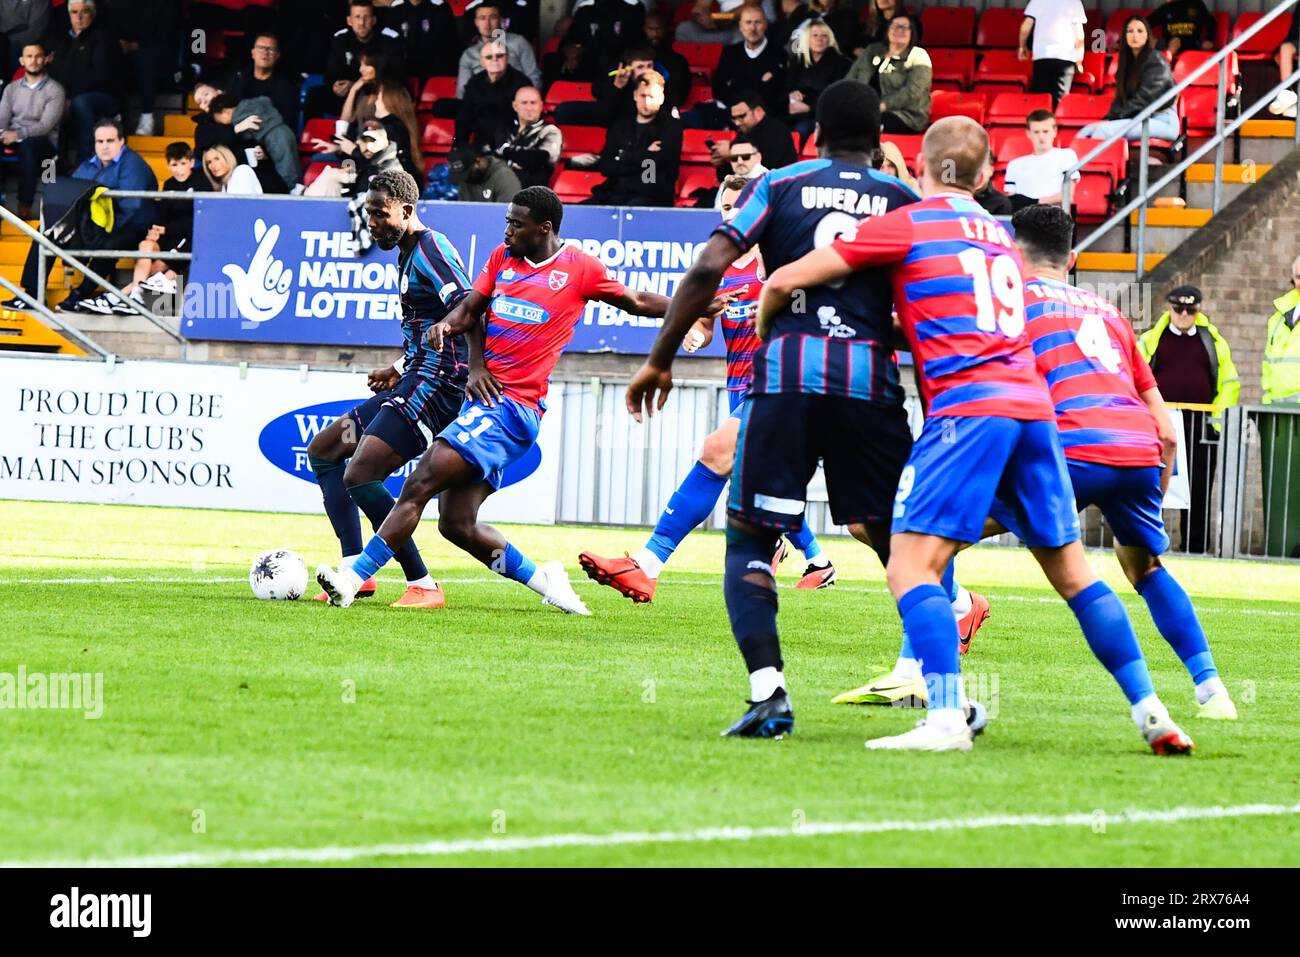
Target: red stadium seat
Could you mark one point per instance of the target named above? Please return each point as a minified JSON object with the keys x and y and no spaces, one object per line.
{"x":809,"y":150}
{"x":581,"y":139}
{"x":1077,"y":110}
{"x":1222,"y":29}
{"x":567,"y":91}
{"x":435,"y":89}
{"x":1094,"y":28}
{"x":1198,"y":108}
{"x":692,"y":178}
{"x":438,"y":136}
{"x":1007,"y":143}
{"x":1188,"y":63}
{"x":699,"y":93}
{"x":1263,"y":44}
{"x":575,"y":185}
{"x":947,"y":27}
{"x":909,"y":144}
{"x":1003,"y":67}
{"x":312,"y":172}
{"x":944,"y":103}
{"x":1010,"y":109}
{"x":694,"y":149}
{"x":1115,"y":25}
{"x":999,"y":27}
{"x":1091,"y":197}
{"x":702,"y":57}
{"x":953,"y":66}
{"x":317,"y":129}
{"x":1111,"y":162}
{"x":1093,"y":75}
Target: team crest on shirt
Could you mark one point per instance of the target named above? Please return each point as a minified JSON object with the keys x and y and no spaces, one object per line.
{"x":508,"y":274}
{"x":557,"y":279}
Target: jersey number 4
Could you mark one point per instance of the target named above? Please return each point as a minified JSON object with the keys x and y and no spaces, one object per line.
{"x":1000,"y":280}
{"x":1093,"y":341}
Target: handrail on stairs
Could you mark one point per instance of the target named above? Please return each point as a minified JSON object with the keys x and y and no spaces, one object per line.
{"x":1223,"y":130}
{"x":48,"y":315}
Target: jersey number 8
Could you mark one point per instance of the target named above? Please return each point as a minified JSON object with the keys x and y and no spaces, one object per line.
{"x":999,"y":279}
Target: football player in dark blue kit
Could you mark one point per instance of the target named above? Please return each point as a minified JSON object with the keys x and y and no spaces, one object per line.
{"x":416,"y":397}
{"x":825,"y":383}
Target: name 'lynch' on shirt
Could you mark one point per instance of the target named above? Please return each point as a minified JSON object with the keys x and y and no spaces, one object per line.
{"x":841,"y":197}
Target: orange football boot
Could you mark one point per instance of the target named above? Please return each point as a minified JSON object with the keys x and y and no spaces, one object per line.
{"x":417,"y":597}
{"x":778,"y":556}
{"x":814,"y":577}
{"x":971,"y":621}
{"x":623,"y":575}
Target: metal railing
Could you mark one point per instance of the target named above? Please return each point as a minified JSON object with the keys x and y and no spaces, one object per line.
{"x":1169,"y":100}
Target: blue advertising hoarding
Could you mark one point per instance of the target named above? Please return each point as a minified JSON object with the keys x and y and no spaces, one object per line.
{"x":289,"y":272}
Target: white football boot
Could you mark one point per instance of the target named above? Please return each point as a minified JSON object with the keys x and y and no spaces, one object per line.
{"x":341,"y":585}
{"x":559,"y":592}
{"x":925,"y":737}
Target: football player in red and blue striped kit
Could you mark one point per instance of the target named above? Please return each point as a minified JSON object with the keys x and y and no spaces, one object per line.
{"x":1119,"y":441}
{"x":989,"y":435}
{"x":637,"y":576}
{"x":825,"y":382}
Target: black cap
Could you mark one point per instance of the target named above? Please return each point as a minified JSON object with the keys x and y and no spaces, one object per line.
{"x":1184,"y":296}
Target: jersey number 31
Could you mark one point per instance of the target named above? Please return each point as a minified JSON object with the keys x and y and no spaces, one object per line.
{"x":1000,"y":280}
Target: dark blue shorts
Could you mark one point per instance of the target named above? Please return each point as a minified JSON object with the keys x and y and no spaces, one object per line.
{"x":862,"y":448}
{"x":1129,"y":498}
{"x":493,"y":438}
{"x":408,"y":416}
{"x":961,"y":466}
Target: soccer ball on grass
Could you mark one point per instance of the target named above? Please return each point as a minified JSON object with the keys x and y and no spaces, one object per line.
{"x":278,"y":575}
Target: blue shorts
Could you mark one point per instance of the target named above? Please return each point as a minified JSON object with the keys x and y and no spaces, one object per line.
{"x":491,"y":439}
{"x":408,"y":416}
{"x":961,"y":466}
{"x":1128,"y":497}
{"x":862,"y":448}
{"x":736,"y":399}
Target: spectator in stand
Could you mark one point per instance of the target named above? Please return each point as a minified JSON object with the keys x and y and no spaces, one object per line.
{"x":172,"y":231}
{"x":842,"y":17}
{"x":892,"y":163}
{"x":148,"y":33}
{"x":487,"y":18}
{"x":703,"y":28}
{"x":207,"y":131}
{"x":603,"y":28}
{"x":84,"y":60}
{"x":21,"y":22}
{"x":1285,"y":104}
{"x":114,"y":166}
{"x":754,"y":63}
{"x":791,"y":16}
{"x":1193,"y":364}
{"x":359,"y":105}
{"x":569,"y":62}
{"x":994,"y":201}
{"x":754,"y":126}
{"x":1057,"y":29}
{"x":746,"y":164}
{"x":901,"y":73}
{"x":674,"y":67}
{"x":1184,"y":25}
{"x":375,"y":154}
{"x":267,"y":78}
{"x":31,"y":109}
{"x":362,"y":32}
{"x":815,"y":64}
{"x":642,"y":153}
{"x":227,"y":175}
{"x":521,"y":17}
{"x":487,"y":105}
{"x":880,"y":14}
{"x":428,"y":32}
{"x":614,"y":93}
{"x":1039,"y":177}
{"x":532,"y":147}
{"x":1142,"y":77}
{"x":481,"y":176}
{"x":260,"y":122}
{"x":307,"y":28}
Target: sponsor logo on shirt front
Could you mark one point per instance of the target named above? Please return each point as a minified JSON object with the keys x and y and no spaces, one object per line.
{"x":511,"y":309}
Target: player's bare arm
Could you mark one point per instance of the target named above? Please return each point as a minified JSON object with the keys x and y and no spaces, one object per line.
{"x":482,"y":385}
{"x":381,"y":380}
{"x":461,"y":319}
{"x":818,"y":267}
{"x":1164,"y":431}
{"x":695,"y":297}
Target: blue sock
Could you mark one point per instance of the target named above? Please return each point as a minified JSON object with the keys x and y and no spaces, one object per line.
{"x":514,"y":564}
{"x":806,"y":541}
{"x":949,"y":581}
{"x":689,"y":505}
{"x":752,"y":608}
{"x":376,"y":501}
{"x":1110,"y":635}
{"x":929,"y":624}
{"x":372,"y":558}
{"x":339,"y":507}
{"x":905,"y":649}
{"x":1177,"y":623}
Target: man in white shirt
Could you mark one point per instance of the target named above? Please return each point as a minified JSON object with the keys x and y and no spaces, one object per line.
{"x":1057,"y":29}
{"x":1040,"y":176}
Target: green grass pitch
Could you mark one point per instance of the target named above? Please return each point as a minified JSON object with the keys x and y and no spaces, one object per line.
{"x":229,"y":724}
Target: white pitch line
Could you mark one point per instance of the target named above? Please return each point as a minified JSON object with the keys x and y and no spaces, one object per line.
{"x":503,"y":845}
{"x":496,"y":580}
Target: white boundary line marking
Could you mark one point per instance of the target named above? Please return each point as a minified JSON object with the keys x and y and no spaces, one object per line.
{"x":500,"y":845}
{"x":496,"y":580}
